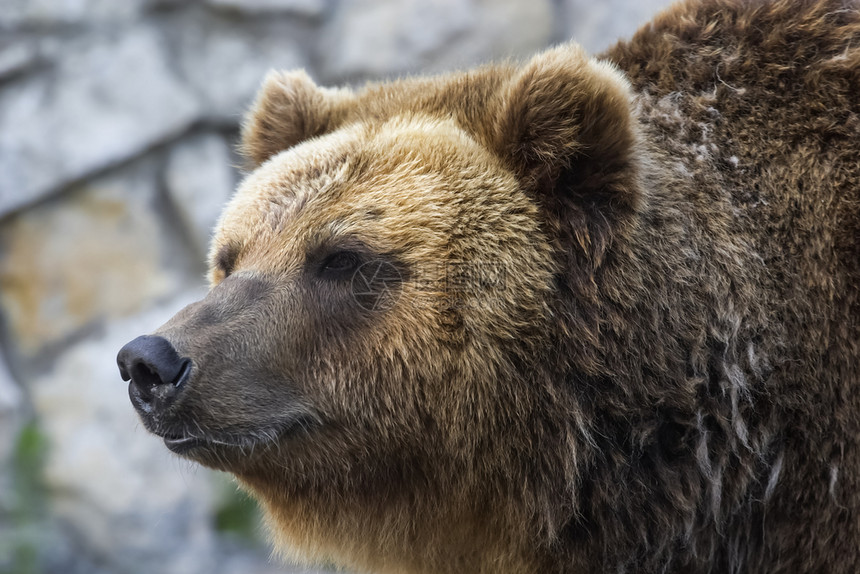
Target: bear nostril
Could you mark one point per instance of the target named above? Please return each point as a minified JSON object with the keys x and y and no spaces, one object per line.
{"x":146,"y":379}
{"x":154,"y":368}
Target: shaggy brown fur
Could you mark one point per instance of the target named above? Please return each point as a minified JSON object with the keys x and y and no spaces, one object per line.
{"x":662,"y":373}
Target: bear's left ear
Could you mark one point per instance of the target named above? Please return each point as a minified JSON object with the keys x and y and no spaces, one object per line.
{"x":289,"y":109}
{"x":565,"y":126}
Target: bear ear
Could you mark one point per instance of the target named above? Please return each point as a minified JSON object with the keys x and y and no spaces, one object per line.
{"x":289,"y":109}
{"x":565,"y":126}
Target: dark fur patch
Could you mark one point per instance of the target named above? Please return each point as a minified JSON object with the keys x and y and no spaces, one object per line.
{"x":225,"y":258}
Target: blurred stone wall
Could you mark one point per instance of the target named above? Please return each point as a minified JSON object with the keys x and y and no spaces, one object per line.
{"x":118,"y":121}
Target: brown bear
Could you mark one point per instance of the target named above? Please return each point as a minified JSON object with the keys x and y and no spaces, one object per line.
{"x":576,"y":315}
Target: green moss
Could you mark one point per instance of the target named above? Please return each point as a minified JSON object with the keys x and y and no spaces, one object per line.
{"x":237,"y":514}
{"x":24,"y":503}
{"x":29,"y":455}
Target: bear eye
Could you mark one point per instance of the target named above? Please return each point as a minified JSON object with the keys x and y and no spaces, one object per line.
{"x":225,"y":258}
{"x":340,"y":263}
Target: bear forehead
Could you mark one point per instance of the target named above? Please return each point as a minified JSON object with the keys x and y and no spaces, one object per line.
{"x":408,"y":178}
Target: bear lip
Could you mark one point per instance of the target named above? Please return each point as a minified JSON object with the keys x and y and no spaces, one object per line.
{"x":182,"y":443}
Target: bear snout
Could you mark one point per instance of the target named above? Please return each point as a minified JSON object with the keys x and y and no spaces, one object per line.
{"x":155,"y":371}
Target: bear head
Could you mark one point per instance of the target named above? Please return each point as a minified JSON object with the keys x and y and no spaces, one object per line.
{"x":379,"y":358}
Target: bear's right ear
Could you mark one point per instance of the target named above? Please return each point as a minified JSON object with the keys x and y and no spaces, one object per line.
{"x":565,"y":125}
{"x":289,"y":109}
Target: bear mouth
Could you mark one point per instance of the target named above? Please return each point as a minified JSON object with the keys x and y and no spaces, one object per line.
{"x":185,"y":443}
{"x":180,"y":444}
{"x":188,"y":444}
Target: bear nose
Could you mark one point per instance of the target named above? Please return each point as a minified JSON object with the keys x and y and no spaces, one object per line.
{"x":155,"y":369}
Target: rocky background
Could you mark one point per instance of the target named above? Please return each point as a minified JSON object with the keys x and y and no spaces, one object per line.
{"x":118,"y":121}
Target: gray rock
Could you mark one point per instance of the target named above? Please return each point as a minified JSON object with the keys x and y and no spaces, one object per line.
{"x":10,"y":395}
{"x":225,"y":60}
{"x":306,"y":8}
{"x":597,"y":25}
{"x":200,"y":180}
{"x":53,"y":12}
{"x":16,"y":56}
{"x":106,"y":101}
{"x":11,"y":402}
{"x":100,"y":252}
{"x":380,"y":38}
